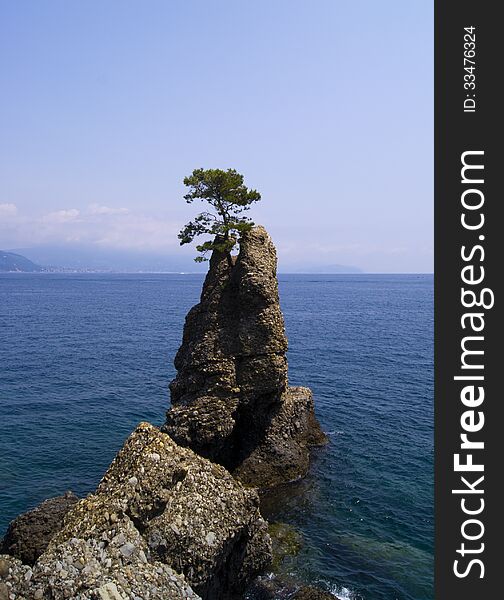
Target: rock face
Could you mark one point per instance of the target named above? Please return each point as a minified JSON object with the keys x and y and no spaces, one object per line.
{"x":163,"y":523}
{"x":230,"y":399}
{"x":28,"y":534}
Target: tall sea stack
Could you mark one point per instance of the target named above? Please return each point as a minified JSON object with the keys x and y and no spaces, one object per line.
{"x":231,"y":401}
{"x":166,"y":523}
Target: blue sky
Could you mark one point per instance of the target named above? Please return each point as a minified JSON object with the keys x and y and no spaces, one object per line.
{"x":324,"y":106}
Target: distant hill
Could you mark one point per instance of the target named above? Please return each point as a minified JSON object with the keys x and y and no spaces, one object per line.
{"x":10,"y":262}
{"x":84,"y":258}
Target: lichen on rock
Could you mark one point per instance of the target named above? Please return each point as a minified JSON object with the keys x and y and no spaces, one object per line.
{"x":230,"y":399}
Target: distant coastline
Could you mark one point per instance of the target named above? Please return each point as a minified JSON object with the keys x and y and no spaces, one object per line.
{"x":13,"y":262}
{"x":83,"y":260}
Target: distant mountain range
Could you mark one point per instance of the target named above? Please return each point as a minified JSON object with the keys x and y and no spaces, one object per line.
{"x":15,"y":263}
{"x":81,"y":258}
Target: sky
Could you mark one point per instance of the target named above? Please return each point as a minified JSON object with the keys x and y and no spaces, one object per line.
{"x":326,"y":107}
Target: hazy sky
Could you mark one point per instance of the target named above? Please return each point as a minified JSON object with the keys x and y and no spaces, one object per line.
{"x":324,"y":105}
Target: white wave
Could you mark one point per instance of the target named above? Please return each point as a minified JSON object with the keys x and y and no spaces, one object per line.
{"x":343,"y":593}
{"x":339,"y":591}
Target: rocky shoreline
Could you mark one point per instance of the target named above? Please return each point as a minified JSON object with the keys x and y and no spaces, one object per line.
{"x":177,"y":514}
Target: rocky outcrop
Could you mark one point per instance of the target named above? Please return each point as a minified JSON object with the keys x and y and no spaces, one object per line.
{"x":28,"y":534}
{"x":164,"y":523}
{"x":176,"y":515}
{"x":230,"y":399}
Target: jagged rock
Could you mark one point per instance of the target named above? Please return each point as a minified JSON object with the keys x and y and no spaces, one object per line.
{"x":164,"y":523}
{"x":230,"y":398}
{"x":28,"y":534}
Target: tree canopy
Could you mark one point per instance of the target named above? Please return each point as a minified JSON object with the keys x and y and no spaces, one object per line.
{"x":228,"y":198}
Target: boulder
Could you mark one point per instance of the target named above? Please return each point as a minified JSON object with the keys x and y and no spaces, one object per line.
{"x":230,"y":399}
{"x":164,"y":523}
{"x":193,"y":515}
{"x":29,"y":534}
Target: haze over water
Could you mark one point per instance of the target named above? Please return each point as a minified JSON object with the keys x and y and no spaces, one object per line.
{"x":86,"y":357}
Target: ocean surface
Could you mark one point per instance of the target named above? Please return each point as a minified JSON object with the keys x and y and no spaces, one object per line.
{"x":85,"y":357}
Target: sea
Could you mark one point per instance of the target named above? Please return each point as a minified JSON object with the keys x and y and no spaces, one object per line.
{"x":85,"y":357}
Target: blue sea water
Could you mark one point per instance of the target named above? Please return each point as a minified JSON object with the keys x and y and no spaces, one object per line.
{"x":84,"y":358}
